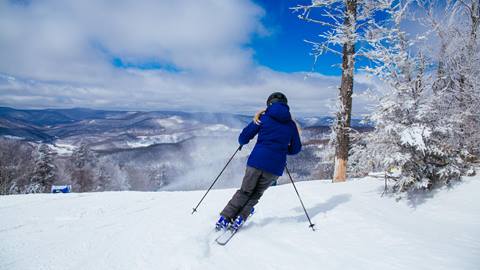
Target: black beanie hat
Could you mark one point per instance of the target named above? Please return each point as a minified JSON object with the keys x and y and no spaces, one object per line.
{"x":277,"y":97}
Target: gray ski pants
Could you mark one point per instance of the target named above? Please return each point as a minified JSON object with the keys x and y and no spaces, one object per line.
{"x":255,"y":182}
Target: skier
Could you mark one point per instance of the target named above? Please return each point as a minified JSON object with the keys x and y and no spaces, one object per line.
{"x":277,"y":137}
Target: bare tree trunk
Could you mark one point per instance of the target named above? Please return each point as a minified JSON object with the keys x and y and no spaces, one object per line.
{"x":344,"y":114}
{"x":475,"y":19}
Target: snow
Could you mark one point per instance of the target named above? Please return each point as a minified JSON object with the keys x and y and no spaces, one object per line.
{"x":170,"y":122}
{"x":13,"y":137}
{"x":356,"y":229}
{"x":311,"y":121}
{"x":414,"y":136}
{"x":144,"y":141}
{"x":217,"y":127}
{"x":176,"y":137}
{"x":62,"y":149}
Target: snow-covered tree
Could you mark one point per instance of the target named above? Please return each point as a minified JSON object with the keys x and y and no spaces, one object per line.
{"x":453,"y":109}
{"x":83,"y":163}
{"x":456,"y":85}
{"x":16,"y":165}
{"x":426,"y":119}
{"x":343,"y":23}
{"x":44,"y":172}
{"x":118,"y":178}
{"x":109,"y":176}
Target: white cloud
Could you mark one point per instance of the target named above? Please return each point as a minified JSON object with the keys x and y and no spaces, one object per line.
{"x":72,"y":40}
{"x":60,"y":53}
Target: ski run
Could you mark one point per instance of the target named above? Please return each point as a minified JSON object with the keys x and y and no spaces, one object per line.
{"x":355,"y":229}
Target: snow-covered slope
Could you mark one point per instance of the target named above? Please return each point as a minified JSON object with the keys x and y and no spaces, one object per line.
{"x":356,"y":229}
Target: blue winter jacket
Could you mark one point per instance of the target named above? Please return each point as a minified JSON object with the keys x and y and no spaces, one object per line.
{"x":277,"y":137}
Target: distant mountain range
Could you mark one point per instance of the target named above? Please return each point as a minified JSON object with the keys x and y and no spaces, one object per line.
{"x":52,"y":124}
{"x":49,"y":125}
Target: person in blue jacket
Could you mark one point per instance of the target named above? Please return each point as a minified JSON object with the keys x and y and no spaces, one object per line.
{"x":277,"y":137}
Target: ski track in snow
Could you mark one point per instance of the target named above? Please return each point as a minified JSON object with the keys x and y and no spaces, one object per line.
{"x":356,"y":229}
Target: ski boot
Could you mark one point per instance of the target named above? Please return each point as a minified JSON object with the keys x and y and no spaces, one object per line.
{"x":237,"y":223}
{"x":223,"y":223}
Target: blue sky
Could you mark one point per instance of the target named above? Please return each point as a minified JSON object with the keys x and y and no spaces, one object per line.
{"x":285,"y":49}
{"x":212,"y":55}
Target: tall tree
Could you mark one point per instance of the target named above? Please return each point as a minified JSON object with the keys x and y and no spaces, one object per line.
{"x":344,"y":115}
{"x":343,"y":23}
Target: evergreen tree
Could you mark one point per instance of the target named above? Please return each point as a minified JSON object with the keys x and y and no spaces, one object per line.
{"x":44,"y":172}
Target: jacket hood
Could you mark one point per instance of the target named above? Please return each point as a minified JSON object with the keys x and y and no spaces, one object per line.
{"x":279,"y":111}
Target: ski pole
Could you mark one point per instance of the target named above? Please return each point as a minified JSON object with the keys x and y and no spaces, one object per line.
{"x":218,"y":176}
{"x":298,"y":195}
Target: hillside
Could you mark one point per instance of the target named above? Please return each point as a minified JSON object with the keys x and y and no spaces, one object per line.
{"x":144,"y":150}
{"x":356,"y":229}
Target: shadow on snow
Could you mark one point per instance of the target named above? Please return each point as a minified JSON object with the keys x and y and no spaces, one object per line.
{"x":323,"y":207}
